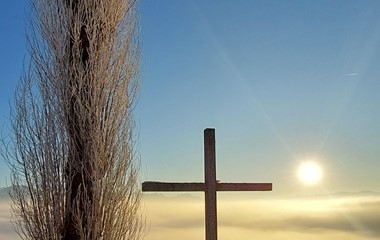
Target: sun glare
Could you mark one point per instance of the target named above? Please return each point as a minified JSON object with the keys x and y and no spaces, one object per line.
{"x":309,"y":173}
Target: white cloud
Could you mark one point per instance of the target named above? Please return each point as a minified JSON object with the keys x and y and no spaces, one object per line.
{"x":346,"y":217}
{"x":6,"y":229}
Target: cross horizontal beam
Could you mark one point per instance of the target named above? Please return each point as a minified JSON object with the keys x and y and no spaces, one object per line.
{"x":200,"y":187}
{"x":244,"y":186}
{"x":169,"y":187}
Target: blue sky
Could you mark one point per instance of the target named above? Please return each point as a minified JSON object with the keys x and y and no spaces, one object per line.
{"x":280,"y":81}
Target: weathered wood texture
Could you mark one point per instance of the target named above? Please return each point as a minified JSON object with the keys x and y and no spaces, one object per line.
{"x":172,"y":187}
{"x":244,"y":187}
{"x":210,"y":184}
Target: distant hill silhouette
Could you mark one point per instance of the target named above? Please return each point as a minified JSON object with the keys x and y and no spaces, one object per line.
{"x":344,"y":194}
{"x":4,"y":193}
{"x":179,"y":197}
{"x":193,"y":197}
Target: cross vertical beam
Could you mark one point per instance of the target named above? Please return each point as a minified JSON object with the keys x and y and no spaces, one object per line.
{"x":210,"y":184}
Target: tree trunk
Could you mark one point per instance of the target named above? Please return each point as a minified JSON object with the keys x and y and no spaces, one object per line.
{"x":79,"y":172}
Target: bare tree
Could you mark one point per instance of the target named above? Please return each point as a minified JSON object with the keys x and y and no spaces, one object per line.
{"x":74,"y":168}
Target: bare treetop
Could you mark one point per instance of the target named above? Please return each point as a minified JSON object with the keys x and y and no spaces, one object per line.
{"x":74,"y":167}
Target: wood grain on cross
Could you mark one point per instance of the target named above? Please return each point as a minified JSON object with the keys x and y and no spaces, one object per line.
{"x":210,"y":186}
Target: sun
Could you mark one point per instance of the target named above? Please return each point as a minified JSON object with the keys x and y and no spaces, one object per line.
{"x":309,"y":173}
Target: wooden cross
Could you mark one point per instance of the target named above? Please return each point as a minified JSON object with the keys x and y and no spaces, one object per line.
{"x":210,"y":186}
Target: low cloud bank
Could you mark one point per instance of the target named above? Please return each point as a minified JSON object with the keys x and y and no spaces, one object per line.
{"x":342,"y":216}
{"x":6,"y":230}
